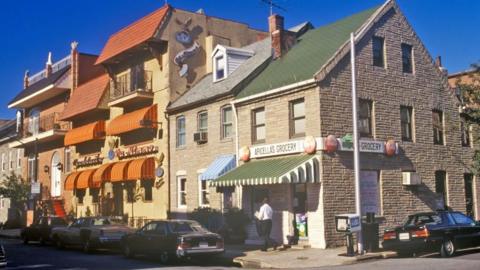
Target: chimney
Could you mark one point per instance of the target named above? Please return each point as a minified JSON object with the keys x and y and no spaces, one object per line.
{"x":438,"y":64}
{"x":25,"y":79}
{"x":74,"y":64}
{"x":48,"y":68}
{"x":275,"y":26}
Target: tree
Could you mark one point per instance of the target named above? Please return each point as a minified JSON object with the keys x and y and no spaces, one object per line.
{"x":15,"y":188}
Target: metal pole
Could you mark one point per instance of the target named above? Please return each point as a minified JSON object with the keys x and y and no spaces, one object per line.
{"x":356,"y":152}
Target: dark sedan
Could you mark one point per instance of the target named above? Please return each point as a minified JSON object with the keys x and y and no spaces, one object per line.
{"x":172,"y":239}
{"x":40,"y":230}
{"x":442,"y":231}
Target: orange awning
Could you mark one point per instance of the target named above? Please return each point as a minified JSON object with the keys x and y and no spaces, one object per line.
{"x":85,"y":179}
{"x":119,"y":171}
{"x":70,"y":180}
{"x":102,"y":174}
{"x":92,"y":131}
{"x":146,"y":117}
{"x":141,"y":169}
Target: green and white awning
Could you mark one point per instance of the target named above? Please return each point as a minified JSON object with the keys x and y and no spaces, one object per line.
{"x":285,"y":170}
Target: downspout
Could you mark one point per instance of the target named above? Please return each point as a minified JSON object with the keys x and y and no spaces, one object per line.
{"x":169,"y":204}
{"x":235,"y":117}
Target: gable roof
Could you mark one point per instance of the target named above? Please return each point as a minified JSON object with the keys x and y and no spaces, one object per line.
{"x":206,"y":89}
{"x":312,"y":51}
{"x":40,"y":85}
{"x":133,"y":35}
{"x":86,"y":97}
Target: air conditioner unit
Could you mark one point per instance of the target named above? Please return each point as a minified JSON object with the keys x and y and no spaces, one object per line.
{"x":411,"y":179}
{"x":200,"y":137}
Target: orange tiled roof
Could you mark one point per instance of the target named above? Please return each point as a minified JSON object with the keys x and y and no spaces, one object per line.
{"x":86,"y":97}
{"x":133,"y":35}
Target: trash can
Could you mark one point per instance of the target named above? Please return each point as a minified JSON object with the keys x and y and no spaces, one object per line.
{"x":370,"y":233}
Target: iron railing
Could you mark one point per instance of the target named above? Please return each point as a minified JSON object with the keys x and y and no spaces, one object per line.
{"x":35,"y":125}
{"x":134,"y":81}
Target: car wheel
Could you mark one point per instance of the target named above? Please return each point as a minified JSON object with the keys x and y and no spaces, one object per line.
{"x":448,"y":248}
{"x":164,"y":257}
{"x":127,"y":251}
{"x":87,"y":246}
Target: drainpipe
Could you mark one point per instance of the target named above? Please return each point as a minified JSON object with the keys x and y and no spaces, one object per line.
{"x":169,"y":207}
{"x":235,"y":117}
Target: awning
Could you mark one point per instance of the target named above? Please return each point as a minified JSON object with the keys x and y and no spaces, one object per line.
{"x":85,"y":179}
{"x":146,"y":117}
{"x":293,"y":169}
{"x":119,"y":171}
{"x":102,"y":174}
{"x":70,"y":180}
{"x":141,"y":169}
{"x":92,"y":131}
{"x":220,"y":166}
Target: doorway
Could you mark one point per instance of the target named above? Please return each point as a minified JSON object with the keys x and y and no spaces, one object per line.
{"x":55,"y":176}
{"x":468,"y":181}
{"x":300,"y":211}
{"x":118,"y":199}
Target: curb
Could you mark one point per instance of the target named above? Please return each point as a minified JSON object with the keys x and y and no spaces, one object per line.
{"x":252,"y":264}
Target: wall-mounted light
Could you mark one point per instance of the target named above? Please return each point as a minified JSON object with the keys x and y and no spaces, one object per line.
{"x":46,"y":169}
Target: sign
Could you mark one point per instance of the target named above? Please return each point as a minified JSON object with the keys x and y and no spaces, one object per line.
{"x":135,"y":151}
{"x":88,"y":161}
{"x":285,"y":148}
{"x":364,"y":146}
{"x":369,"y":192}
{"x":35,"y":188}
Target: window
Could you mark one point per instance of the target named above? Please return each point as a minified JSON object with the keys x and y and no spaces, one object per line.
{"x":19,"y":158}
{"x":437,"y":120}
{"x":181,"y":136}
{"x":227,"y":122}
{"x":80,"y":193}
{"x":130,"y":187}
{"x":407,"y":61}
{"x":202,"y":123}
{"x":204,"y":193}
{"x":406,"y":123}
{"x":34,"y":122}
{"x":465,"y":133}
{"x":378,"y":52}
{"x":148,"y":189}
{"x":258,"y":125}
{"x":4,"y":161}
{"x":94,"y":192}
{"x":68,"y":160}
{"x":297,"y":118}
{"x":219,"y":67}
{"x":469,"y":199}
{"x":462,"y":219}
{"x":11,"y":160}
{"x":365,"y":118}
{"x":32,"y":168}
{"x":182,"y":191}
{"x":441,"y":185}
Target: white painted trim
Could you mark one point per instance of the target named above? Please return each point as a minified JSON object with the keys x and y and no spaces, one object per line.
{"x":275,"y":91}
{"x":12,"y":105}
{"x":181,"y":173}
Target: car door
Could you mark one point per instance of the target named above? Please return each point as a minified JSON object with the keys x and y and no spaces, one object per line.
{"x":468,"y":232}
{"x":74,"y":231}
{"x":141,"y":240}
{"x":157,"y":240}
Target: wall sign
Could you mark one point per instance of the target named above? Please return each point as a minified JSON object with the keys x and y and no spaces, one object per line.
{"x":135,"y":151}
{"x":369,"y":192}
{"x":365,"y":146}
{"x":88,"y":161}
{"x":277,"y":149}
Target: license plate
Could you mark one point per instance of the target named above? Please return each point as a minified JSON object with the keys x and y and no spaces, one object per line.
{"x":404,"y":236}
{"x":203,"y":244}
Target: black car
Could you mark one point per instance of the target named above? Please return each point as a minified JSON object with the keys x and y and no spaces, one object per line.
{"x":172,"y":239}
{"x":442,"y":231}
{"x":3,"y":257}
{"x":40,"y":230}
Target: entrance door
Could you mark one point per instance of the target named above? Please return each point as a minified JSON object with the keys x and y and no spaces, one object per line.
{"x":55,"y":175}
{"x":118,"y":199}
{"x":468,"y":181}
{"x":300,"y":210}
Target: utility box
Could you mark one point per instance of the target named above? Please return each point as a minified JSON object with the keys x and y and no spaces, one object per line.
{"x":411,"y":179}
{"x":347,"y":223}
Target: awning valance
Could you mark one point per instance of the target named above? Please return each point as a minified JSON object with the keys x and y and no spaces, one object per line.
{"x":102,"y":174}
{"x":293,"y":169}
{"x":146,"y":117}
{"x":220,"y":166}
{"x":70,"y":180}
{"x":85,"y":179}
{"x":119,"y":171}
{"x":92,"y":131}
{"x":141,"y":169}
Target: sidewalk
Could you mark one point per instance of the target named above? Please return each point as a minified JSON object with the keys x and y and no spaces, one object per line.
{"x":297,"y":258}
{"x":12,"y":233}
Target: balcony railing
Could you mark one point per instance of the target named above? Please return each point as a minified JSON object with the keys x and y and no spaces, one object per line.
{"x":131,"y":82}
{"x":34,"y":126}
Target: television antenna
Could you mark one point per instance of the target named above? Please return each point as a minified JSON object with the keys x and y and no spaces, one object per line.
{"x":272,"y":5}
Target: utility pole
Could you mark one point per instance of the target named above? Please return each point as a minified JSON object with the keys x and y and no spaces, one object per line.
{"x":356,"y":152}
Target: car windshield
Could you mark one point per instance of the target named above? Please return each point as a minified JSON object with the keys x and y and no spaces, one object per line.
{"x":422,"y":219}
{"x":106,"y":221}
{"x":186,"y":227}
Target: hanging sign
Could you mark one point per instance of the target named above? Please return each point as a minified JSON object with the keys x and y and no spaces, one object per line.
{"x":285,"y":148}
{"x":344,"y":144}
{"x":135,"y":151}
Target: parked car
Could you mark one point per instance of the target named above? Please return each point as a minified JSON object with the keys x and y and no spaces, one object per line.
{"x":91,"y":233}
{"x":172,"y":239}
{"x":40,"y":230}
{"x":442,"y":231}
{"x":3,"y":257}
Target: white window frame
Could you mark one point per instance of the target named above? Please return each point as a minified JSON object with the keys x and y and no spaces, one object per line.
{"x":178,"y":133}
{"x":31,"y":164}
{"x":224,"y":123}
{"x":200,"y":190}
{"x":19,"y":158}
{"x":217,"y":59}
{"x":179,"y":191}
{"x":11,"y":161}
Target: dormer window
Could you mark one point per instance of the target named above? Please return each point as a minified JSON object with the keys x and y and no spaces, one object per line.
{"x":219,"y":67}
{"x":226,"y":60}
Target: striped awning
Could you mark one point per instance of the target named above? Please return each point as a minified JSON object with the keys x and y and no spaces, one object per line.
{"x":70,"y":180}
{"x":119,"y":171}
{"x":220,"y":166}
{"x":85,"y":179}
{"x":141,"y":169}
{"x":146,"y":117}
{"x":102,"y":174}
{"x":89,"y":132}
{"x":293,"y":169}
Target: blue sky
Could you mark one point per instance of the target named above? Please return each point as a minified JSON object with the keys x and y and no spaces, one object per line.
{"x":30,"y":29}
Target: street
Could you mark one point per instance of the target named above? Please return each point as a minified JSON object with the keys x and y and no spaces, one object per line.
{"x":39,"y":257}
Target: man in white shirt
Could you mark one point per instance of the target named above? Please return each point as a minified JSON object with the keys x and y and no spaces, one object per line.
{"x":265,"y":216}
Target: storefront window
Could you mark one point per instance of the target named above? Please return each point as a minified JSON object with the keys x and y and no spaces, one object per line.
{"x":182,"y":191}
{"x":258,"y":125}
{"x":297,"y":118}
{"x":130,"y":187}
{"x":147,"y":186}
{"x":80,"y":193}
{"x":94,"y":192}
{"x":204,"y":193}
{"x":227,"y":122}
{"x":181,"y":134}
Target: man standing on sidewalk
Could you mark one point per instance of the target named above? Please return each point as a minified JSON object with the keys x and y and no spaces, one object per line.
{"x":265,"y":216}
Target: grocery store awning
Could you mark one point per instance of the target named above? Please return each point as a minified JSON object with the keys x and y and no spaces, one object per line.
{"x":143,"y":118}
{"x":141,"y":169}
{"x":284,"y":170}
{"x":85,"y":179}
{"x":119,"y":171}
{"x":70,"y":180}
{"x":220,"y":166}
{"x":89,"y":132}
{"x":102,"y":174}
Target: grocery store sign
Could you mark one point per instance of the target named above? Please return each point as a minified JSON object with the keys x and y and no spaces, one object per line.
{"x":285,"y":148}
{"x":364,"y":146}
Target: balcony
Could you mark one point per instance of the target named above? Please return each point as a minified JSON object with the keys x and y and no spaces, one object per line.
{"x":130,"y":88}
{"x":41,"y":129}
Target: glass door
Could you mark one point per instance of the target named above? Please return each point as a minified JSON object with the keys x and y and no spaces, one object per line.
{"x":300,"y":210}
